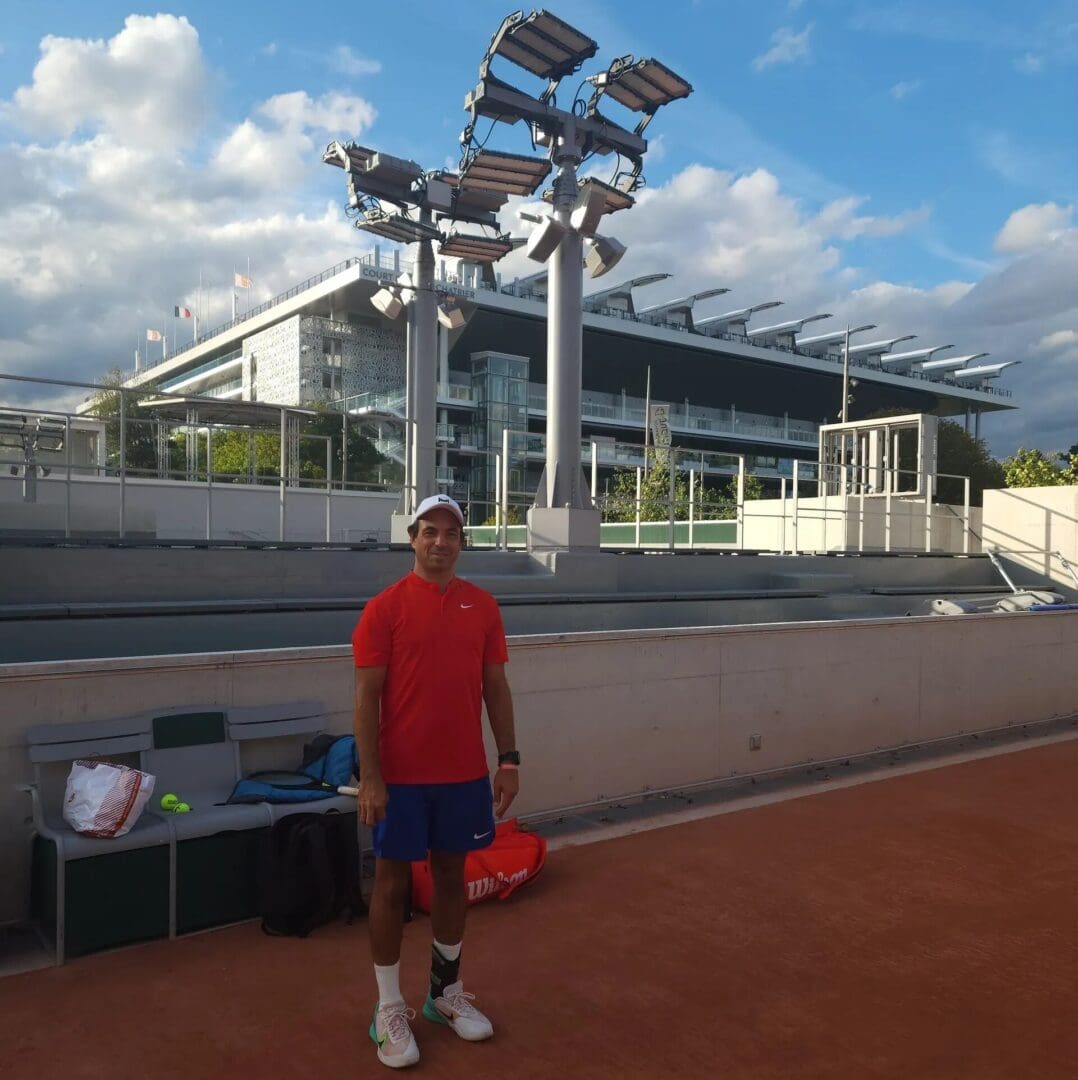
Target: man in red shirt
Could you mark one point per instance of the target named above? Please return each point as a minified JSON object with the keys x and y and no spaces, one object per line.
{"x":429,"y":651}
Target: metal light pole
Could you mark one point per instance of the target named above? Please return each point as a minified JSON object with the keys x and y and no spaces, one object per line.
{"x":563,"y":487}
{"x":563,"y":515}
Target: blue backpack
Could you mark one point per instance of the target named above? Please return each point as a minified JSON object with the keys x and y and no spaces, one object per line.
{"x":328,"y":762}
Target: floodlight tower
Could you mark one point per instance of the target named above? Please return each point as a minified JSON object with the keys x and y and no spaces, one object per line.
{"x":423,"y":204}
{"x":563,"y":515}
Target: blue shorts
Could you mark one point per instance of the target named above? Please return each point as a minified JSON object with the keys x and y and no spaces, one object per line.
{"x":435,"y":817}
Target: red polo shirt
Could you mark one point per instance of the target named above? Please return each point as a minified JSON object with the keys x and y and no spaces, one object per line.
{"x":433,"y":646}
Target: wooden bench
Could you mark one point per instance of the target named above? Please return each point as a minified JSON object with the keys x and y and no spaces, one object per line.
{"x":172,"y":873}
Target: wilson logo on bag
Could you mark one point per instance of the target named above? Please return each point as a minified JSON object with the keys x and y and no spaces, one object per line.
{"x":513,"y":859}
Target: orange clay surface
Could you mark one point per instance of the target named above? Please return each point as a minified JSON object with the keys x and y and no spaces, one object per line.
{"x":920,"y":926}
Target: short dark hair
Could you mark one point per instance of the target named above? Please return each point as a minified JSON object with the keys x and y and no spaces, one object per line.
{"x":413,"y":532}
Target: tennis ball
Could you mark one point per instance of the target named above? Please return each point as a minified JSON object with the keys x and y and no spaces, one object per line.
{"x":169,"y":801}
{"x":181,"y":808}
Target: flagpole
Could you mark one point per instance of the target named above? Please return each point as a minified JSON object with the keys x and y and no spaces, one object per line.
{"x":234,"y":292}
{"x":198,"y":305}
{"x":247,"y":302}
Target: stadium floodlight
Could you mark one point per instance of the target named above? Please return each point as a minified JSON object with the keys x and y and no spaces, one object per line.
{"x":544,"y":240}
{"x":473,"y":206}
{"x":388,"y":302}
{"x":641,"y":85}
{"x":590,"y":207}
{"x":567,"y":239}
{"x":454,"y":315}
{"x":542,"y":44}
{"x":950,"y":363}
{"x":604,"y":253}
{"x":399,"y":227}
{"x":477,"y":249}
{"x":513,"y":174}
{"x":614,"y":198}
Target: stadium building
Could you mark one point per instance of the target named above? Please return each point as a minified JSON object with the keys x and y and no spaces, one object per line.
{"x":737,"y":380}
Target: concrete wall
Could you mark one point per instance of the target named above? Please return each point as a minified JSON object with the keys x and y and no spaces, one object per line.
{"x":611,"y":714}
{"x":847,"y":523}
{"x":177,"y":510}
{"x":1029,"y":523}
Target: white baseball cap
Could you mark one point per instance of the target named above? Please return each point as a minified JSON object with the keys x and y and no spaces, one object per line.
{"x":437,"y":502}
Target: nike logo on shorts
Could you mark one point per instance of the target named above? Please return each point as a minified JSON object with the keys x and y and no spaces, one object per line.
{"x":464,"y":607}
{"x":480,"y":835}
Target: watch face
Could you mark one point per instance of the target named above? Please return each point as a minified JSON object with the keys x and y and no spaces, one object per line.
{"x":510,"y":757}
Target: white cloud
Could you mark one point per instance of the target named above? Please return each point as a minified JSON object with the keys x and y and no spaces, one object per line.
{"x":269,"y":49}
{"x":840,"y":219}
{"x":903,"y":89}
{"x":1029,"y":64}
{"x":95,"y":251}
{"x":786,"y":47}
{"x":1061,"y":339}
{"x":146,"y":85}
{"x":347,"y":61}
{"x":1032,"y":226}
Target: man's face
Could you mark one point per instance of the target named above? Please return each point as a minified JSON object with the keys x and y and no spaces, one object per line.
{"x":437,"y":543}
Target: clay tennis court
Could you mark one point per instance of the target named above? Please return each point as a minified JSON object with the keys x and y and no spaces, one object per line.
{"x":917,"y":926}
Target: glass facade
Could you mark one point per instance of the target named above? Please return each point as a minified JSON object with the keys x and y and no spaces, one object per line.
{"x":500,"y":390}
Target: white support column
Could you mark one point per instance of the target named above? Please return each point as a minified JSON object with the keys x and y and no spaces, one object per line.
{"x":795,"y":546}
{"x":741,"y":500}
{"x":928,"y":512}
{"x":966,"y":520}
{"x":639,"y":479}
{"x":692,"y":506}
{"x":209,"y":482}
{"x":505,"y":487}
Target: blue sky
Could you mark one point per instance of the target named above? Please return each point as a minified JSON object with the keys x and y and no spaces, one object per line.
{"x":866,"y":157}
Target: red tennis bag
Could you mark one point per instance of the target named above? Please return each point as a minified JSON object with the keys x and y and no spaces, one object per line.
{"x":514,"y":858}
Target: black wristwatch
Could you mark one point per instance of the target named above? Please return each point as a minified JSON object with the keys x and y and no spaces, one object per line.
{"x":510,"y":757}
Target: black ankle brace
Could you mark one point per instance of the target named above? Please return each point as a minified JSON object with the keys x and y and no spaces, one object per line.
{"x":443,"y":972}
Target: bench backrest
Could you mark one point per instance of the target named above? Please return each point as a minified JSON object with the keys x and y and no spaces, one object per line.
{"x":191,"y":751}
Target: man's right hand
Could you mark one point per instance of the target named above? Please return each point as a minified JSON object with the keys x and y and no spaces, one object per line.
{"x":373,"y":797}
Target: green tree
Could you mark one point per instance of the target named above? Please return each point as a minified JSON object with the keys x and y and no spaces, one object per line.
{"x":233,"y":449}
{"x":619,"y":503}
{"x":1035,"y":468}
{"x":140,"y":431}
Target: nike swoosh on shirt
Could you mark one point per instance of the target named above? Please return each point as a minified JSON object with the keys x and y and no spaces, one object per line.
{"x":480,"y":835}
{"x":464,"y":607}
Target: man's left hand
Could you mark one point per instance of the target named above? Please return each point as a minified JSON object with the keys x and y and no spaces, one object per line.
{"x":505,"y":787}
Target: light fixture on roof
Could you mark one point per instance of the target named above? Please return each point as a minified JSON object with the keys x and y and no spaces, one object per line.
{"x":950,"y":363}
{"x":477,"y":249}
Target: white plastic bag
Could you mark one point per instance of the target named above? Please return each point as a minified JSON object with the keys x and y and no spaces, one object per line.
{"x":103,"y":799}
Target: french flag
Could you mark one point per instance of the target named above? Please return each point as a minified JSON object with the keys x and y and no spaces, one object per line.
{"x":182,"y":312}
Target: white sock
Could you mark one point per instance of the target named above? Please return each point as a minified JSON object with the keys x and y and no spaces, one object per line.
{"x":389,"y":983}
{"x":450,"y":952}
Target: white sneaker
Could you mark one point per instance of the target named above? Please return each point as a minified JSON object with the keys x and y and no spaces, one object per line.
{"x":392,"y":1034}
{"x":454,"y":1007}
